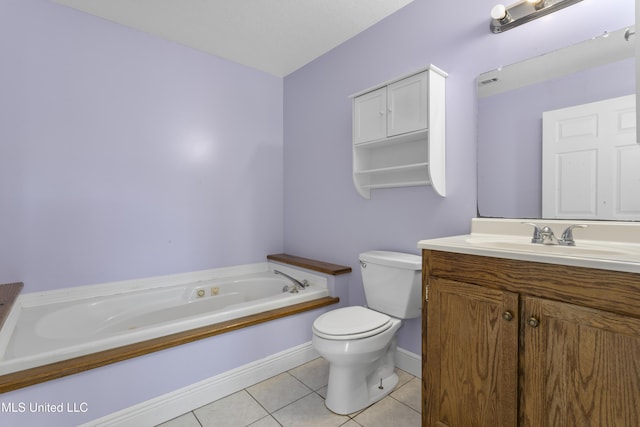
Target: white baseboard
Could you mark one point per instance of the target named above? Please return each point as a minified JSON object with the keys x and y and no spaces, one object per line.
{"x":178,"y":402}
{"x":409,"y":362}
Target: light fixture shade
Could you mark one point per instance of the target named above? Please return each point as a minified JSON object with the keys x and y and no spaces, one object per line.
{"x":499,"y":12}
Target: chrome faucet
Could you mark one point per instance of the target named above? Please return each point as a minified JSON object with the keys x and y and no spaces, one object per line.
{"x":296,"y":283}
{"x":567,"y":235}
{"x":545,"y":235}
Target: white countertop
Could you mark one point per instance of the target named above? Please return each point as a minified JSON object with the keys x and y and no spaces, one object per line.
{"x":607,"y":245}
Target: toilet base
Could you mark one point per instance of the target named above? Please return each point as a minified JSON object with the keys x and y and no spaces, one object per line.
{"x":351,"y":389}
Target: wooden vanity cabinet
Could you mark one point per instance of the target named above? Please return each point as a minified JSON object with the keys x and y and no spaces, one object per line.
{"x":472,"y":355}
{"x":517,"y":343}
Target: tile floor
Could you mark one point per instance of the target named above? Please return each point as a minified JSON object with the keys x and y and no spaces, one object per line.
{"x":296,"y":398}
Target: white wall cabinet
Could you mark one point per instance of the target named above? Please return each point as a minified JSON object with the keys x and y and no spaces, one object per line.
{"x":399,"y":133}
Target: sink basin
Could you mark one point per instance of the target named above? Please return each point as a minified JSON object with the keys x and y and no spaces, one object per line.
{"x":607,"y":245}
{"x":519,"y":244}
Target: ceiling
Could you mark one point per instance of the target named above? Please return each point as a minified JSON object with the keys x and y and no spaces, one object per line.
{"x":275,"y":36}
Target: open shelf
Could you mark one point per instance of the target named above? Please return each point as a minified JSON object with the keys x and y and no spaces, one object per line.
{"x":416,"y":166}
{"x":396,"y":139}
{"x":393,"y":176}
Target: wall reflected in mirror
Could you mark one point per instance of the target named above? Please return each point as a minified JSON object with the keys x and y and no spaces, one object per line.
{"x":511,"y":102}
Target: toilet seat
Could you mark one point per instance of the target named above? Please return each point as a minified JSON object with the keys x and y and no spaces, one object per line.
{"x":351,"y":323}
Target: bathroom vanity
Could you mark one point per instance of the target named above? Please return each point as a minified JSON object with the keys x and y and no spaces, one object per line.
{"x":523,"y":334}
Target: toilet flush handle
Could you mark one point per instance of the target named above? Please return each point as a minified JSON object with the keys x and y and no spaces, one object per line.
{"x":363,"y":264}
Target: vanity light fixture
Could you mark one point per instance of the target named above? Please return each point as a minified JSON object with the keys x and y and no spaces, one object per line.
{"x":504,"y":18}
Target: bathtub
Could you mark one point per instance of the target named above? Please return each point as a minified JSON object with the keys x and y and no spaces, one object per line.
{"x":47,"y":327}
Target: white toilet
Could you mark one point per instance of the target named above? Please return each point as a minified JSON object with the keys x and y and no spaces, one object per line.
{"x":360,"y":343}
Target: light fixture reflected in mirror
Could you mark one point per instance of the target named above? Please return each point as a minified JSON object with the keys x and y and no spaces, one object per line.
{"x":504,"y":18}
{"x":537,"y":4}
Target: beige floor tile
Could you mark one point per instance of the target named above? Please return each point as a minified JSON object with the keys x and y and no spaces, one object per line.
{"x":410,"y":394}
{"x":314,"y":374}
{"x":186,"y":420}
{"x":403,"y":377}
{"x":278,"y":391}
{"x":265,"y":422}
{"x":288,"y":399}
{"x":322,"y":392}
{"x":389,"y":412}
{"x":309,"y":412}
{"x":238,"y":409}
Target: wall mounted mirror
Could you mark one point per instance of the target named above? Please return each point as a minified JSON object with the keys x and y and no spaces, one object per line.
{"x":511,"y":101}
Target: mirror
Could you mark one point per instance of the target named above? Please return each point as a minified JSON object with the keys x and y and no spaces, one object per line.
{"x":511,"y":101}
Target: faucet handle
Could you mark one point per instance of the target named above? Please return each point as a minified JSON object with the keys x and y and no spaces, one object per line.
{"x":537,"y":233}
{"x":567,"y":235}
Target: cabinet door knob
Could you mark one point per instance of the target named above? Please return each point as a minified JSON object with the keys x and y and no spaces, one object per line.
{"x":507,"y":315}
{"x":533,"y":322}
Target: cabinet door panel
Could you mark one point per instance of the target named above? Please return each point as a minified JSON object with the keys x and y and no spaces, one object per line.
{"x":473,"y":352}
{"x":408,"y":105}
{"x":370,"y":116}
{"x":580,"y":366}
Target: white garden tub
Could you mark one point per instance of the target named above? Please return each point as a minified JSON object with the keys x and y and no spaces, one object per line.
{"x":52,"y":326}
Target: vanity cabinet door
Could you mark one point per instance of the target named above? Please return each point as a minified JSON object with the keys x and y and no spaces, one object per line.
{"x":472,"y":348}
{"x":581,"y":367}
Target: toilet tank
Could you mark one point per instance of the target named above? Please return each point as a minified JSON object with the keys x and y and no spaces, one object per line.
{"x":392,"y":283}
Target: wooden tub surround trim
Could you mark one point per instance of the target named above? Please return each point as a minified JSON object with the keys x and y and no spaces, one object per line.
{"x":8,"y":295}
{"x":310,"y":264}
{"x":40,"y":374}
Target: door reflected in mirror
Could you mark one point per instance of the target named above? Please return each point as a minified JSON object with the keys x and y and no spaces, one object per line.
{"x":590,"y":161}
{"x":511,"y":103}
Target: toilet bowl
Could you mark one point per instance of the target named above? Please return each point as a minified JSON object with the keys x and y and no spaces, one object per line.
{"x":359,"y":342}
{"x":361,"y":365}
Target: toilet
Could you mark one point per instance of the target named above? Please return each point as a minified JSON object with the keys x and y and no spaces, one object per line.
{"x":360,"y":342}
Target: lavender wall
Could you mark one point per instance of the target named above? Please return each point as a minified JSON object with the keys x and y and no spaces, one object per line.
{"x":123,"y":155}
{"x":324,"y":216}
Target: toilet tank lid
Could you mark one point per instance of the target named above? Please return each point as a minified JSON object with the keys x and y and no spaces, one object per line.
{"x":393,"y":259}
